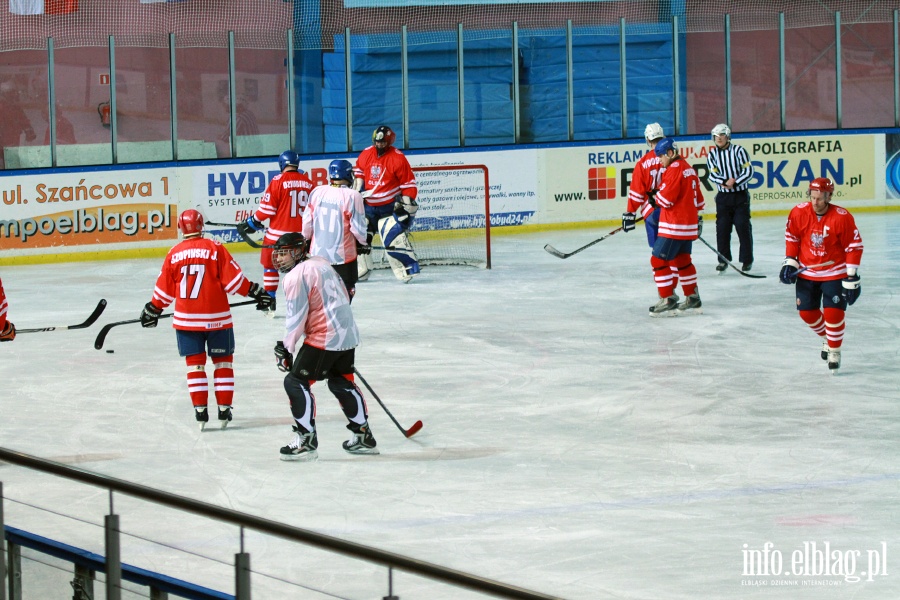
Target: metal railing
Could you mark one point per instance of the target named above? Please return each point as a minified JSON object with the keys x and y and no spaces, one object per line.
{"x":113,"y":566}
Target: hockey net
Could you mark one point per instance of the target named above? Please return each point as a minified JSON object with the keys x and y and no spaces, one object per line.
{"x":453,"y":223}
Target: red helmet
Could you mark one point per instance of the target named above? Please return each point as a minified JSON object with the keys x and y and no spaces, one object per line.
{"x":822,"y":184}
{"x":190,"y":222}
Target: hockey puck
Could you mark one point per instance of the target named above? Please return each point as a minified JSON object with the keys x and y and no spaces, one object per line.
{"x":110,"y":351}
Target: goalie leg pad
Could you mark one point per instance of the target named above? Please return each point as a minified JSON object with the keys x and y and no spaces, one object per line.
{"x":364,"y":264}
{"x":401,"y":255}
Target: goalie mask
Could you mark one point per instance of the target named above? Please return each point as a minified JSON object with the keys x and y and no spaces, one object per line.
{"x":289,"y":250}
{"x":383,"y":134}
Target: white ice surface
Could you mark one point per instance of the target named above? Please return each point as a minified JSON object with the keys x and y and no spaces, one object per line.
{"x":572,"y":445}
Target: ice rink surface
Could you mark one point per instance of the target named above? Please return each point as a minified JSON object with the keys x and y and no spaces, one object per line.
{"x":571,"y":445}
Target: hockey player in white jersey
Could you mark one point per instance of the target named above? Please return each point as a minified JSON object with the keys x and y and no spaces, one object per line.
{"x":334,"y":221}
{"x":318,"y":313}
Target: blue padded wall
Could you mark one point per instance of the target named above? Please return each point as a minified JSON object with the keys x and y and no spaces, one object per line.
{"x":433,"y":105}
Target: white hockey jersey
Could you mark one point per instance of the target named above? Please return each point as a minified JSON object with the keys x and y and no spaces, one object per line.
{"x":334,"y":221}
{"x":318,"y":308}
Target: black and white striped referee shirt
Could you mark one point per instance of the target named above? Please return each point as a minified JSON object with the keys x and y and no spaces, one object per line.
{"x":731,"y":162}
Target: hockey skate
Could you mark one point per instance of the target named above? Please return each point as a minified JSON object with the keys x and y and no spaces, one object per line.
{"x":303,"y":446}
{"x":361,"y":440}
{"x":834,"y":360}
{"x":202,"y":416}
{"x":691,"y":304}
{"x":224,"y":416}
{"x":666,"y":307}
{"x":721,"y":267}
{"x":825,"y":349}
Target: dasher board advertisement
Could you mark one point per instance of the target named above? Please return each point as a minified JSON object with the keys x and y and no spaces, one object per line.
{"x":81,"y":210}
{"x":591,"y":183}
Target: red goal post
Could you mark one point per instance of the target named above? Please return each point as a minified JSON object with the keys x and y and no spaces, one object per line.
{"x":453,"y":223}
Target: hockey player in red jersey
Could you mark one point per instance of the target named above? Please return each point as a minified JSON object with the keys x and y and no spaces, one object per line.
{"x":388,"y":185}
{"x":197,"y":275}
{"x":7,"y":329}
{"x":822,"y":239}
{"x":321,"y":330}
{"x":680,"y":201}
{"x":645,"y":182}
{"x":282,"y":206}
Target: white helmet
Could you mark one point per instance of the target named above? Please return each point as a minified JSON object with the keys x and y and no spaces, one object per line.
{"x":653,"y":131}
{"x":722,"y":129}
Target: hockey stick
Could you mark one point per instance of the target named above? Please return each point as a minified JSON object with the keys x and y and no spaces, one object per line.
{"x":101,"y":306}
{"x":559,"y":254}
{"x":807,"y":268}
{"x":728,"y":262}
{"x":104,"y":331}
{"x":250,"y":241}
{"x":414,"y":428}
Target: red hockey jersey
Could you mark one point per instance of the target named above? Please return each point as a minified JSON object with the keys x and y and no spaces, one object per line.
{"x":646,"y":176}
{"x":283,"y":204}
{"x":385,"y":176}
{"x":680,"y":201}
{"x":197,"y":275}
{"x":4,"y":307}
{"x":814,"y":240}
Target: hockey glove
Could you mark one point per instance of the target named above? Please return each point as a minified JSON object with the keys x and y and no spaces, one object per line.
{"x":264,"y":301}
{"x":283,"y":358}
{"x":628,"y":221}
{"x":651,"y":198}
{"x":699,"y":225}
{"x":249,"y":226}
{"x":404,"y":209}
{"x":9,"y":333}
{"x":789,"y":269}
{"x":852,"y":288}
{"x":363,"y":248}
{"x":150,"y":315}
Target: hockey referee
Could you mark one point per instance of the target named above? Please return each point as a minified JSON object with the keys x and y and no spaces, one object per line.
{"x":730,"y":169}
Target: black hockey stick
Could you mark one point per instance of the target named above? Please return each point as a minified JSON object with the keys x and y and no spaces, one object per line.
{"x":414,"y":428}
{"x":559,"y":254}
{"x":250,"y":241}
{"x":729,"y":263}
{"x":101,"y":306}
{"x":104,"y":331}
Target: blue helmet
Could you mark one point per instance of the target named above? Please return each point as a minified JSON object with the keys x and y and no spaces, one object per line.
{"x":664,"y":145}
{"x":340,"y":169}
{"x":288,"y":157}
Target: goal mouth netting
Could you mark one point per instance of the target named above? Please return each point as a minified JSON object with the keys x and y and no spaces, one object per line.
{"x":453,"y":223}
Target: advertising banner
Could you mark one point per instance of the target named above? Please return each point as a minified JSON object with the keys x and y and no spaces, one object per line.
{"x":591,"y":183}
{"x":52,"y":211}
{"x":109,"y":208}
{"x":451,"y":198}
